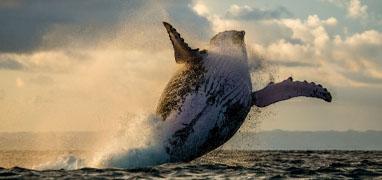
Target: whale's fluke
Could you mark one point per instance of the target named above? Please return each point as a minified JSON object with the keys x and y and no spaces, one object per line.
{"x":183,"y":53}
{"x":287,"y":89}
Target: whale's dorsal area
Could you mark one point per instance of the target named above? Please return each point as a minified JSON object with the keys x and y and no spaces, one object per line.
{"x":182,"y":52}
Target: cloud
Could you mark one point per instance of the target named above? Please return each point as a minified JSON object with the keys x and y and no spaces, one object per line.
{"x":291,"y":64}
{"x":360,"y":55}
{"x":58,"y":36}
{"x":261,"y":30}
{"x":356,"y":57}
{"x":372,"y":37}
{"x":285,"y":52}
{"x":25,"y":23}
{"x":304,"y":48}
{"x":200,"y":8}
{"x":37,"y":26}
{"x":53,"y":61}
{"x":89,"y":64}
{"x":145,"y":28}
{"x":250,"y":13}
{"x":356,"y":9}
{"x":10,"y":64}
{"x":94,"y":63}
{"x":310,"y":35}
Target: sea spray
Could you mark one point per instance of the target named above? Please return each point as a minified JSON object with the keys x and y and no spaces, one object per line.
{"x":67,"y":162}
{"x":139,"y":144}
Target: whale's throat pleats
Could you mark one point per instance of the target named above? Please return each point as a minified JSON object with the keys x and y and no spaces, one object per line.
{"x":183,"y":148}
{"x":207,"y":103}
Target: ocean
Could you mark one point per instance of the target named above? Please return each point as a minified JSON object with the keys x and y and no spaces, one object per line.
{"x":219,"y":164}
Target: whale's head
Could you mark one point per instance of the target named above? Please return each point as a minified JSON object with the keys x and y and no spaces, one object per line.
{"x":228,"y":40}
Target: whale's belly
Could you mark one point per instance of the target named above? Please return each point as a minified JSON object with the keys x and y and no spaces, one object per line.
{"x":201,"y":129}
{"x":205,"y":107}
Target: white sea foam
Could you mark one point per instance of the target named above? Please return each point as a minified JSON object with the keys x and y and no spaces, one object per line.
{"x":68,"y":162}
{"x":140,"y":144}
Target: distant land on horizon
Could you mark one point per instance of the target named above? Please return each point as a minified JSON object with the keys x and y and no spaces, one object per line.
{"x":264,"y":140}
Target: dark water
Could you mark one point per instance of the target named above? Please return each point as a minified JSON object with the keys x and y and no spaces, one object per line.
{"x":236,"y":164}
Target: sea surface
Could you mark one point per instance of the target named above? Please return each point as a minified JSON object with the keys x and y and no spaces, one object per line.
{"x":218,"y":164}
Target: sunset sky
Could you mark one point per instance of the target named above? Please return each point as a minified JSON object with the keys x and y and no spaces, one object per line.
{"x":91,"y":65}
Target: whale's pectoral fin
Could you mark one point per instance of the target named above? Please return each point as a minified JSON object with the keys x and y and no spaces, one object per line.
{"x":183,"y":53}
{"x":287,"y":89}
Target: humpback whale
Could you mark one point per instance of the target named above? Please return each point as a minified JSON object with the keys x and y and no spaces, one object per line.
{"x":209,"y":97}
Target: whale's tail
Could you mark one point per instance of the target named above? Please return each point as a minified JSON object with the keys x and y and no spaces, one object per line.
{"x":287,"y":89}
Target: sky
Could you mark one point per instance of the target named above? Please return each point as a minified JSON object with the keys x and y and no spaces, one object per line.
{"x":92,"y":65}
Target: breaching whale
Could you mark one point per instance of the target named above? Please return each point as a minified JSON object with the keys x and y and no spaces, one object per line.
{"x":208,"y":99}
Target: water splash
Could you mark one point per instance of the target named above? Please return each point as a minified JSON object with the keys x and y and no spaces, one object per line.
{"x":68,"y":162}
{"x":139,"y":144}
